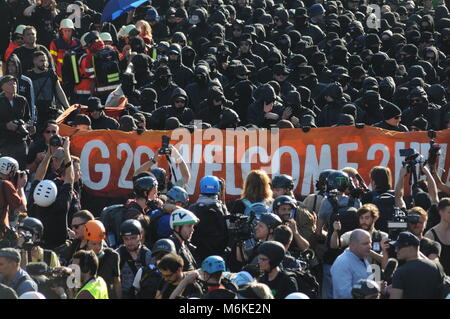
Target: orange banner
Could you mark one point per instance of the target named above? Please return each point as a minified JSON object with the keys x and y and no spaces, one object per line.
{"x":109,"y":158}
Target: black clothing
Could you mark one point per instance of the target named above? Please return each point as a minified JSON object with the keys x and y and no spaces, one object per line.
{"x":445,"y":253}
{"x":386,"y":126}
{"x":428,"y":247}
{"x":108,"y":268}
{"x":419,"y":279}
{"x":191,"y":290}
{"x":25,"y":56}
{"x":185,"y":252}
{"x":17,"y":111}
{"x":281,"y":286}
{"x":54,"y":217}
{"x":185,"y":115}
{"x":104,"y":122}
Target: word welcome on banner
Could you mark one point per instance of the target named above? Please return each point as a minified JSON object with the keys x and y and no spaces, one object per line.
{"x":109,"y":158}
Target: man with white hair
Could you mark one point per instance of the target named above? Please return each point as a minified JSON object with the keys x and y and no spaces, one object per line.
{"x":352,"y":265}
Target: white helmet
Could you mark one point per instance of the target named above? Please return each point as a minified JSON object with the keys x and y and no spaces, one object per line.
{"x":32,"y":295}
{"x":66,"y":24}
{"x":105,"y":36}
{"x":45,"y":193}
{"x":19,"y":29}
{"x":8,"y":165}
{"x":297,"y":295}
{"x":181,"y":216}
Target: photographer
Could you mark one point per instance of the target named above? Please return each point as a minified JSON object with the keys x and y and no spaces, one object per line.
{"x":211,"y":233}
{"x":313,"y":201}
{"x":335,"y":206}
{"x":368,"y":215}
{"x":40,"y":144}
{"x":286,"y":208}
{"x":30,"y":235}
{"x":12,"y":194}
{"x":14,"y":113}
{"x":417,"y":193}
{"x":263,"y":232}
{"x":51,"y":199}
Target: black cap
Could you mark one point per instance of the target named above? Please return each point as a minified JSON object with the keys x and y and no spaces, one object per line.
{"x":241,"y":70}
{"x":390,"y":111}
{"x":94,"y":104}
{"x":281,"y":69}
{"x":5,"y":79}
{"x":81,"y":119}
{"x":405,"y":239}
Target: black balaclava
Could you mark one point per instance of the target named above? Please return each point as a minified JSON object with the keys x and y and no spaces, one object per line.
{"x":163,"y":76}
{"x":318,"y":62}
{"x":387,"y":88}
{"x":436,"y":94}
{"x":371,"y":101}
{"x":215,"y":93}
{"x":137,"y":45}
{"x":401,"y":98}
{"x":310,"y":77}
{"x":421,"y":107}
{"x":128,"y":83}
{"x":356,"y":73}
{"x":390,"y":67}
{"x":378,"y":62}
{"x":148,"y":99}
{"x":201,"y":75}
{"x":188,"y":56}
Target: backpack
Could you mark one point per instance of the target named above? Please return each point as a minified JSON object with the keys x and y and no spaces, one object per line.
{"x":150,"y":279}
{"x":211,"y":234}
{"x":112,"y":218}
{"x":106,"y":67}
{"x":306,"y":282}
{"x":154,"y":220}
{"x":386,"y":205}
{"x":70,"y":72}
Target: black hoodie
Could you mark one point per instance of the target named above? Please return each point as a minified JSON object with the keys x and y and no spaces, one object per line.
{"x":24,"y":85}
{"x":185,"y":115}
{"x":182,"y":75}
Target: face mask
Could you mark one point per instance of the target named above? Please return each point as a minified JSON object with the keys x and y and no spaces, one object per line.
{"x":164,"y":81}
{"x":310,"y":82}
{"x":301,"y":22}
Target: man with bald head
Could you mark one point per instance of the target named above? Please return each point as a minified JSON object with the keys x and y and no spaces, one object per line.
{"x":351,"y":265}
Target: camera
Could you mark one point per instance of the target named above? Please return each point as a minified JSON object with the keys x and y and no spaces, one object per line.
{"x":21,"y":128}
{"x":412,"y":157}
{"x":398,"y":224}
{"x":28,"y":237}
{"x":165,"y":150}
{"x":240,"y":227}
{"x":52,"y":277}
{"x":56,"y":140}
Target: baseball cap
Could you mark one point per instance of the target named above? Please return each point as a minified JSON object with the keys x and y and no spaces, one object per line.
{"x":405,"y":239}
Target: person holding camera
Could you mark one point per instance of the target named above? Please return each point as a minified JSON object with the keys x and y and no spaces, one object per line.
{"x":417,"y":278}
{"x":51,"y":200}
{"x":14,"y":114}
{"x":368,"y":215}
{"x":263,"y":231}
{"x":12,"y":194}
{"x":40,"y":144}
{"x":30,"y":235}
{"x":211,"y":233}
{"x":12,"y":275}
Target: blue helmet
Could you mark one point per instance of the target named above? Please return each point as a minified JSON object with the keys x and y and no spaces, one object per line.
{"x":213,"y":264}
{"x":178,"y":194}
{"x":209,"y":185}
{"x":152,"y":15}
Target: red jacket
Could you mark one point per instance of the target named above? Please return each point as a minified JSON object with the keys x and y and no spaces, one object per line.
{"x":58,"y":48}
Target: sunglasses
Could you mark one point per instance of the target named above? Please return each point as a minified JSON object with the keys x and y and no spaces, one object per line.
{"x":180,"y":101}
{"x":52,"y":132}
{"x":77,"y":225}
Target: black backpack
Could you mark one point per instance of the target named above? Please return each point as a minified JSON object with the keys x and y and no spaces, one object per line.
{"x":306,"y":282}
{"x":112,"y":218}
{"x":106,"y":67}
{"x":70,"y":71}
{"x":150,"y":280}
{"x":386,"y":205}
{"x":211,"y":234}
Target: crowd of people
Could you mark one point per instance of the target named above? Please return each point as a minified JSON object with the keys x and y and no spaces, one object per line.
{"x":224,"y":64}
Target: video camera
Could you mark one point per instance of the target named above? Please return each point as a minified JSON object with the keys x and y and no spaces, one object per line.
{"x":412,"y":158}
{"x":54,"y":277}
{"x":240,"y":227}
{"x":398,"y":223}
{"x":165,"y":150}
